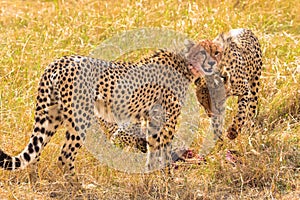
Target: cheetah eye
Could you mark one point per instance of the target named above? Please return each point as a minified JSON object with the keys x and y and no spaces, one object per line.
{"x":217,"y":53}
{"x":224,"y":78}
{"x":203,"y":52}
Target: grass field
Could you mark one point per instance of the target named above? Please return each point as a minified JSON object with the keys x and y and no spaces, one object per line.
{"x":33,"y":33}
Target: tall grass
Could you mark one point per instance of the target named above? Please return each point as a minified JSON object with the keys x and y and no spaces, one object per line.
{"x":33,"y":33}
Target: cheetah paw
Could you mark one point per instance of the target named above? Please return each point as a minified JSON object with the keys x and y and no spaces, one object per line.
{"x":232,"y":132}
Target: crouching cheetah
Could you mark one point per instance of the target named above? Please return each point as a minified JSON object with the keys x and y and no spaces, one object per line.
{"x":74,"y":90}
{"x":240,"y":66}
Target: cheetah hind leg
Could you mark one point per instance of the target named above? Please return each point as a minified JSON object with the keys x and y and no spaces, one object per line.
{"x":67,"y":157}
{"x":54,"y":116}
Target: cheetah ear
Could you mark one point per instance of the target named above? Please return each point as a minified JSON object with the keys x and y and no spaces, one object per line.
{"x":222,"y":36}
{"x":220,"y":39}
{"x":188,"y":44}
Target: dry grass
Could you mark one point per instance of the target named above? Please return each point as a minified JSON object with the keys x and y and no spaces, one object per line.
{"x":33,"y":33}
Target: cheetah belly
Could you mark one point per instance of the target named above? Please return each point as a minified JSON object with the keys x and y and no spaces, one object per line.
{"x":102,"y":110}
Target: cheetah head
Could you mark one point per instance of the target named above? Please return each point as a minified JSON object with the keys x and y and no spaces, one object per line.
{"x":213,"y":49}
{"x":202,"y":92}
{"x":200,"y":61}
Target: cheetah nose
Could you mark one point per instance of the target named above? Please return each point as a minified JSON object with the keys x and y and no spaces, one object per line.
{"x":211,"y":63}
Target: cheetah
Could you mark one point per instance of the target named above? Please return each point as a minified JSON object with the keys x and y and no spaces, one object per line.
{"x":75,"y":91}
{"x":240,"y":67}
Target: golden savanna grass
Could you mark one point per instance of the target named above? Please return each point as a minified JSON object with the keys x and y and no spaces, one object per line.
{"x":33,"y":33}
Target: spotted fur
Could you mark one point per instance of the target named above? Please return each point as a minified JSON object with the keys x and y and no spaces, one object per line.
{"x":78,"y":90}
{"x":240,"y":67}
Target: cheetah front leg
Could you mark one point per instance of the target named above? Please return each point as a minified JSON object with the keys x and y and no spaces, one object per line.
{"x":253,"y":101}
{"x":160,"y":133}
{"x":158,"y":150}
{"x":239,"y":119}
{"x":154,"y":132}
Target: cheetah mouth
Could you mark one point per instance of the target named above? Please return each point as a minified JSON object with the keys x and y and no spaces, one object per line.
{"x":196,"y":70}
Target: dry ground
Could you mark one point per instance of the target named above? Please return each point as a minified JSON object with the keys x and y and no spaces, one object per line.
{"x":33,"y":33}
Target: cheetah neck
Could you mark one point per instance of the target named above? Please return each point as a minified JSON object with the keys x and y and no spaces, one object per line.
{"x":167,"y":59}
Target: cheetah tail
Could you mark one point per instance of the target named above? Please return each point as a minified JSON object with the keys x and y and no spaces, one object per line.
{"x":9,"y":163}
{"x":29,"y":155}
{"x":47,"y":119}
{"x":41,"y":135}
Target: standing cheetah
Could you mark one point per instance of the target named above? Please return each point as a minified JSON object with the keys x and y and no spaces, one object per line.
{"x":240,"y":66}
{"x":74,"y":90}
